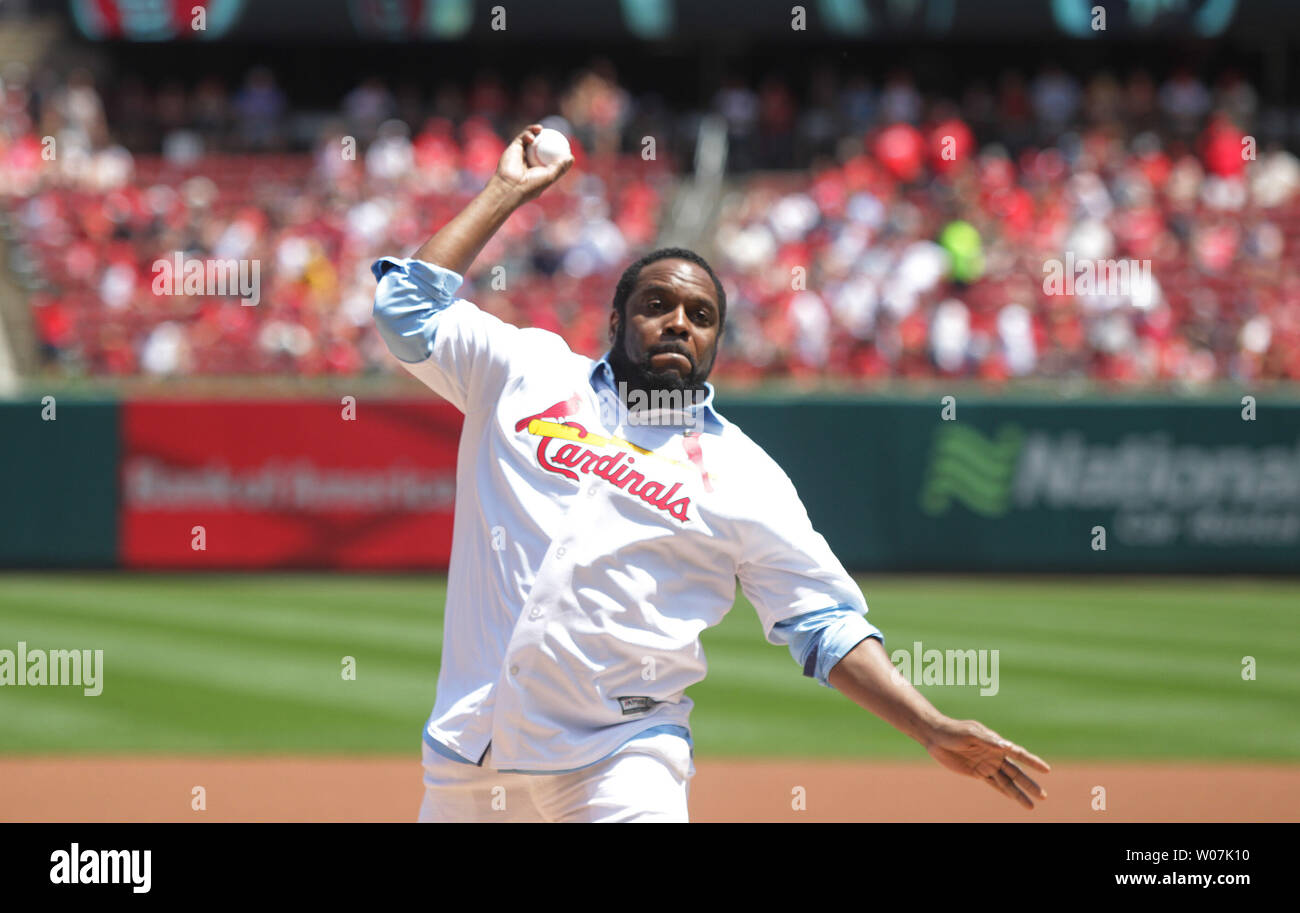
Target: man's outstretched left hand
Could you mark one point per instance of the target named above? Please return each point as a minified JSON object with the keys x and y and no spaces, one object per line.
{"x":971,"y":748}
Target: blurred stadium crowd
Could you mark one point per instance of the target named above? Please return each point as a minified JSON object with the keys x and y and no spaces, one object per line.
{"x":869,"y":231}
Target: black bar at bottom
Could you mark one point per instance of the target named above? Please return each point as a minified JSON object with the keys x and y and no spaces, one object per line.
{"x":333,"y":862}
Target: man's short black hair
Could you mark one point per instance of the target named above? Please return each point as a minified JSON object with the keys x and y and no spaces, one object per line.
{"x":627,"y":282}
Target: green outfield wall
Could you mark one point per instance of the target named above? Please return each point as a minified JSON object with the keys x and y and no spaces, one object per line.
{"x":996,"y":485}
{"x":1043,"y":485}
{"x":58,"y":484}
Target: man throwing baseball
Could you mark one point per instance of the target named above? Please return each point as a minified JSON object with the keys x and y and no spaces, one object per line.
{"x":604,"y":511}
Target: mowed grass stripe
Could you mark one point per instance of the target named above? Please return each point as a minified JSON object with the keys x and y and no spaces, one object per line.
{"x":1197,"y":665}
{"x":1212,"y":666}
{"x":177,"y":651}
{"x":1066,"y":654}
{"x":1188,"y":607}
{"x":252,"y":627}
{"x":1097,"y":668}
{"x":1101,"y":723}
{"x":1092,"y":587}
{"x":393,"y":598}
{"x":899,"y":631}
{"x":216,"y":604}
{"x":382,"y":600}
{"x":1166,"y":617}
{"x":210,"y":721}
{"x":198,"y":682}
{"x":243,"y":706}
{"x":233,"y":661}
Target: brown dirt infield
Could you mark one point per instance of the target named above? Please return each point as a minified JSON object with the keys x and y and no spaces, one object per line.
{"x":349,"y":789}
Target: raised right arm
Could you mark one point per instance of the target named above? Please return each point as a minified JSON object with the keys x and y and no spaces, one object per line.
{"x":457,"y":243}
{"x":446,"y":342}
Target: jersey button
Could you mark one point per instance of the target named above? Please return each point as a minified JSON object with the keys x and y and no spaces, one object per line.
{"x":559,"y":552}
{"x":514,"y":670}
{"x":535,"y":613}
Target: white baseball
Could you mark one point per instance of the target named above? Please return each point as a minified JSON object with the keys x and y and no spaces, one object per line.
{"x":548,"y":147}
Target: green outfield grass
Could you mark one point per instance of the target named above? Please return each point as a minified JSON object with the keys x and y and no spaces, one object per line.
{"x":1139,"y":668}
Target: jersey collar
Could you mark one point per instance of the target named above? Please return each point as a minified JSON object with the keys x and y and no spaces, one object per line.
{"x":602,"y":375}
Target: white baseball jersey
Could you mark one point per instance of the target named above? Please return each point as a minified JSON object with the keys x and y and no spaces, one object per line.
{"x":588,"y":554}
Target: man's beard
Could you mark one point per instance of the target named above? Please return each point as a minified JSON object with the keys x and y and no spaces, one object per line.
{"x":642,"y":376}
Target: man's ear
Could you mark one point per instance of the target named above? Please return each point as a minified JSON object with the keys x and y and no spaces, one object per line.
{"x":613,"y":325}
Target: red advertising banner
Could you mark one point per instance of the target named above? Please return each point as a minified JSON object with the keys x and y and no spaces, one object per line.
{"x":288,"y":484}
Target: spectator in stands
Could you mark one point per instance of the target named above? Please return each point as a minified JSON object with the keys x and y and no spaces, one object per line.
{"x":259,"y":110}
{"x":738,"y":104}
{"x":366,"y":107}
{"x":1184,"y":100}
{"x":900,"y":102}
{"x":838,"y":272}
{"x":1140,"y":100}
{"x":819,"y":125}
{"x":1015,"y":110}
{"x":596,"y":108}
{"x":857,"y":105}
{"x":212,"y":116}
{"x":1055,"y":96}
{"x":391,"y":158}
{"x":776,"y":117}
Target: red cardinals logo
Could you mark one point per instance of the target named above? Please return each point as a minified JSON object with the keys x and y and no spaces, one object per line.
{"x":571,"y":458}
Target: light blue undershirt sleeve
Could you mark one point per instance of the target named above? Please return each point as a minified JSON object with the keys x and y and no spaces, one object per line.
{"x":410,"y":296}
{"x":820,"y":639}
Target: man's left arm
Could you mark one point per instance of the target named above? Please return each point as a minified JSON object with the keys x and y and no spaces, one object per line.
{"x":867,"y":677}
{"x":807,"y":601}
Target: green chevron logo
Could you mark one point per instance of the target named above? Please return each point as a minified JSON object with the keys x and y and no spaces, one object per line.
{"x":968,"y":467}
